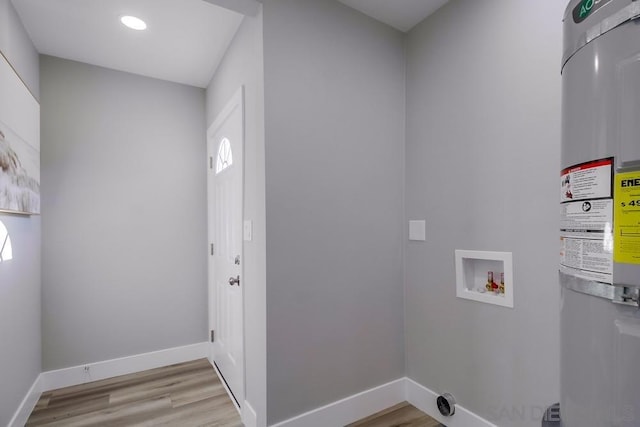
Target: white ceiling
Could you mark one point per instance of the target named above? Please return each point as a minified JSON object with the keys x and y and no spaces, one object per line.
{"x":400,"y":14}
{"x":184,"y":42}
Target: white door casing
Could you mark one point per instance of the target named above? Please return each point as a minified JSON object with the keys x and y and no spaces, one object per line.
{"x":225,"y":188}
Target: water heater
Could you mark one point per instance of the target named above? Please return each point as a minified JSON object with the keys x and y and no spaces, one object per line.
{"x":600,"y":215}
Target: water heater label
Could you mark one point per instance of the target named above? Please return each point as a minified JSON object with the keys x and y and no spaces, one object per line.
{"x":586,"y":240}
{"x":627,"y":218}
{"x":591,"y":180}
{"x":586,"y":218}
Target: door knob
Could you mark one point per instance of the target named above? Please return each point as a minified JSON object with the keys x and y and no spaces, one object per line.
{"x":234,"y":281}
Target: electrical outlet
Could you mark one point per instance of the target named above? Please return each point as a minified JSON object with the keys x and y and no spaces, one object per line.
{"x":87,"y":369}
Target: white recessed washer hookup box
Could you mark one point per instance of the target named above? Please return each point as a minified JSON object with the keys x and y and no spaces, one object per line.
{"x":485,"y":276}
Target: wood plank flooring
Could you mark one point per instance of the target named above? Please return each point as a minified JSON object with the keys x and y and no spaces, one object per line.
{"x":401,"y":415}
{"x":188,"y":394}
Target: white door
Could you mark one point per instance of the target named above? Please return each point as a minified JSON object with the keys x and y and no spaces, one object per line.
{"x":225,"y":143}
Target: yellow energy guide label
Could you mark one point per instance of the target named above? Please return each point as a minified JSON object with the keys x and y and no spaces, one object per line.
{"x":626,"y":218}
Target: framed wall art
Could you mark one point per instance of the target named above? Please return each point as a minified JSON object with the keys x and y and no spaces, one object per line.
{"x":19,"y":144}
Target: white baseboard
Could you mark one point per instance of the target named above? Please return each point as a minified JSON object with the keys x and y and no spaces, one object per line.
{"x":28,"y":403}
{"x":352,"y":408}
{"x":75,"y":375}
{"x":369,"y":402}
{"x":339,"y":413}
{"x":425,"y":400}
{"x":249,"y":416}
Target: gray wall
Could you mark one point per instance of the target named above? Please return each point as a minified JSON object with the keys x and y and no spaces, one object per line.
{"x":334,"y":122}
{"x":243,"y":65}
{"x":20,"y":357}
{"x":482,"y":162}
{"x":123,"y":214}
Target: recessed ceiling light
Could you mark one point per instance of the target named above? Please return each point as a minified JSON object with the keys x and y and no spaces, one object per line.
{"x":134,"y":23}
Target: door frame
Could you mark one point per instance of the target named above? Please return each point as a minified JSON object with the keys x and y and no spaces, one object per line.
{"x":236,"y":101}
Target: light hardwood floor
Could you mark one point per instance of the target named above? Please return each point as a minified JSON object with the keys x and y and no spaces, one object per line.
{"x":185,"y":395}
{"x":401,"y":415}
{"x":188,"y":394}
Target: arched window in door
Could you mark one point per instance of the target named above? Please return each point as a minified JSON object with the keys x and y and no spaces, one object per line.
{"x":6,"y":252}
{"x":225,"y":157}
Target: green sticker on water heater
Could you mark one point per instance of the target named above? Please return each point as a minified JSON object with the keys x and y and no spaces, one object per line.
{"x":585,"y":8}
